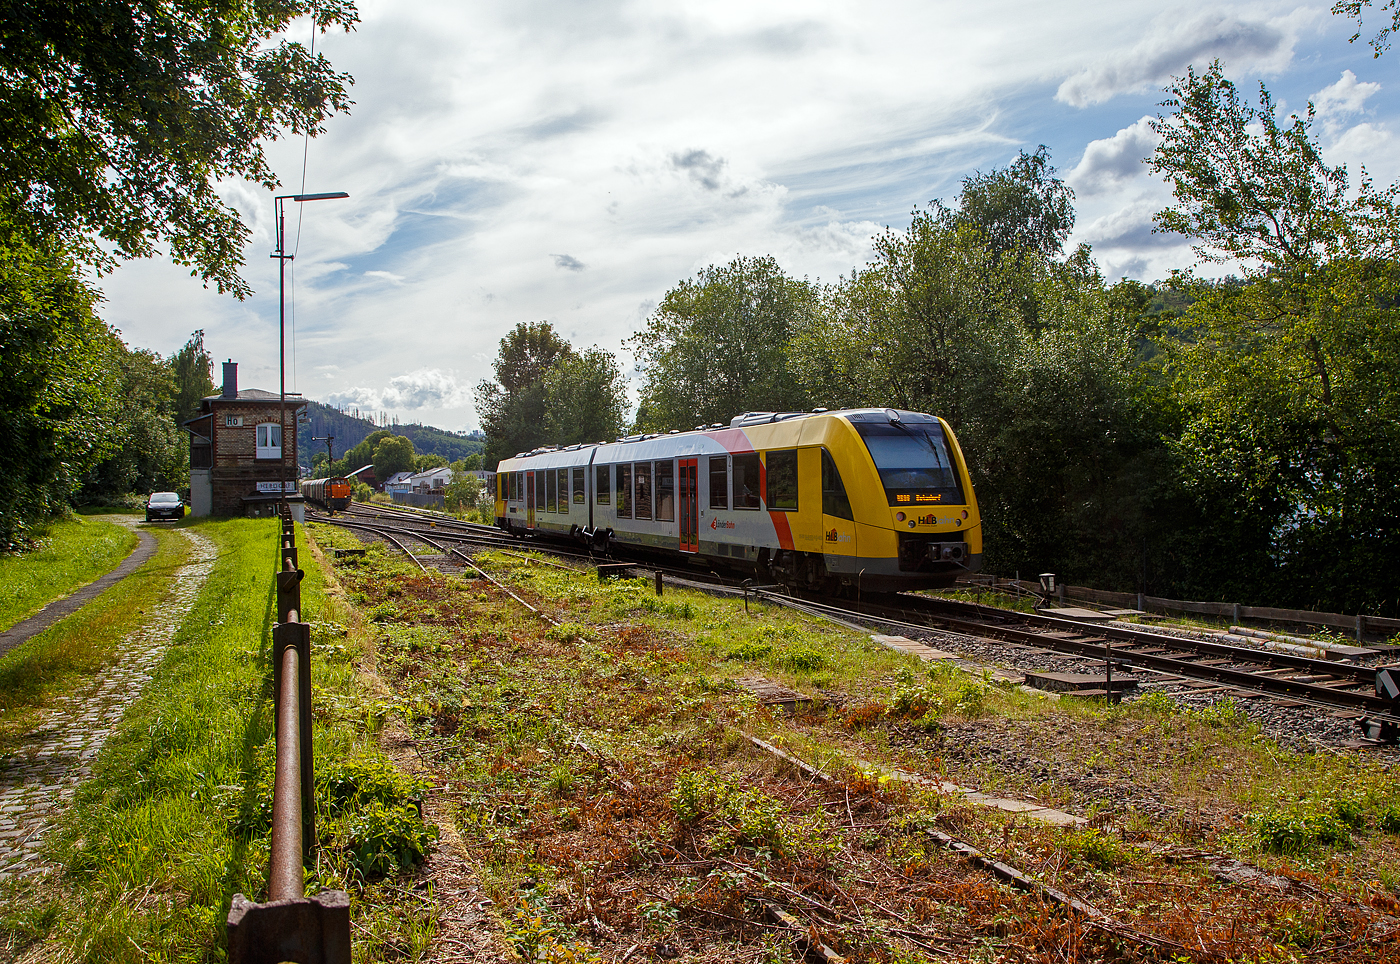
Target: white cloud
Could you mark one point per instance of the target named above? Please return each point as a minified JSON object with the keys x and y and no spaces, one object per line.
{"x":493,"y":148}
{"x":1347,"y":96}
{"x":427,"y":388}
{"x":1130,"y":226}
{"x":1110,"y":162}
{"x":1341,"y":100}
{"x":389,"y":276}
{"x":1173,"y":42}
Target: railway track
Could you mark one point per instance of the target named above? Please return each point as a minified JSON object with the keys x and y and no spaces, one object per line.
{"x":1339,"y":687}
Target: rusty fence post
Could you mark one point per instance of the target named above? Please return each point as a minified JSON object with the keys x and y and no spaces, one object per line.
{"x":291,"y":926}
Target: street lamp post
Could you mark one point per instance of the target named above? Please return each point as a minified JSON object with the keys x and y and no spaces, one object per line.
{"x":279,"y":204}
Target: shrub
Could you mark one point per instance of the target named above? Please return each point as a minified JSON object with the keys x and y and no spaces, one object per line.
{"x":748,"y":652}
{"x":803,"y":660}
{"x":1298,"y":830}
{"x":380,"y":839}
{"x":1095,"y":847}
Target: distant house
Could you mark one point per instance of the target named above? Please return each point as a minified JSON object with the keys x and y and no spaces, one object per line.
{"x":239,"y":464}
{"x":431,"y":481}
{"x":398,"y":482}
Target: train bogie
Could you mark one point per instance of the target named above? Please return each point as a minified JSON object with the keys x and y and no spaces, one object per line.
{"x":875,"y":500}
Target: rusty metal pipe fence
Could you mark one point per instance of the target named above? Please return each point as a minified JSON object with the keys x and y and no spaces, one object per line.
{"x":291,"y":926}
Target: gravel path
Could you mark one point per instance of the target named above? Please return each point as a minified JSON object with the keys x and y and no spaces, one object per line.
{"x":37,"y":780}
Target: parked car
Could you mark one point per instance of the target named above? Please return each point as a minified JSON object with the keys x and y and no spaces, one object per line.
{"x":164,"y":505}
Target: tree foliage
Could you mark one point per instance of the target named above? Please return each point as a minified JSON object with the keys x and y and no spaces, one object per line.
{"x":1023,"y":207}
{"x":118,"y":120}
{"x":717,"y":346}
{"x":1355,"y":9}
{"x":1287,"y":382}
{"x":391,"y":456}
{"x":513,"y":409}
{"x":586,"y":398}
{"x":193,"y":371}
{"x":1253,"y":191}
{"x":56,"y":394}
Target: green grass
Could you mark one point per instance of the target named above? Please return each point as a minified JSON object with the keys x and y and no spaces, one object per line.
{"x":72,"y":552}
{"x":174,"y":819}
{"x":71,"y":650}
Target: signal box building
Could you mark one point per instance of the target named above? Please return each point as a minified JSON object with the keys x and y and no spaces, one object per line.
{"x":238,"y":462}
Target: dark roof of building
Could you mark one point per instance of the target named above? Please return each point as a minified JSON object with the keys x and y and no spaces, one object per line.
{"x":257,"y":395}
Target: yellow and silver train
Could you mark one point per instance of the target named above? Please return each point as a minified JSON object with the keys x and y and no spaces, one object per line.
{"x":876,"y":500}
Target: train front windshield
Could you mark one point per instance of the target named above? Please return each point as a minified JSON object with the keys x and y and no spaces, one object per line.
{"x":913,"y":462}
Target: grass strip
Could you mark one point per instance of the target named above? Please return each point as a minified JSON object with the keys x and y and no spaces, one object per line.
{"x":71,"y":552}
{"x":175,"y":819}
{"x":67,"y":653}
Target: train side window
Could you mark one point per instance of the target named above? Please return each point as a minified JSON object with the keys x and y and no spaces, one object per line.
{"x":624,"y":491}
{"x":550,"y":489}
{"x":579,"y":495}
{"x":782,"y":480}
{"x":539,"y":490}
{"x":641,"y":508}
{"x":563,"y":490}
{"x":666,"y":491}
{"x":719,"y":482}
{"x":604,"y":487}
{"x":746,"y":481}
{"x":516,"y":478}
{"x":834,"y":500}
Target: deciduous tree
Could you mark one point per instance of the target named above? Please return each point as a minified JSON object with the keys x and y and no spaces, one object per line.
{"x":119,"y":119}
{"x":717,"y":345}
{"x":587,"y":398}
{"x":513,"y":408}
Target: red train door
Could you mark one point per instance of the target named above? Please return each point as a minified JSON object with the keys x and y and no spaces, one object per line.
{"x":529,"y":500}
{"x":689,"y":504}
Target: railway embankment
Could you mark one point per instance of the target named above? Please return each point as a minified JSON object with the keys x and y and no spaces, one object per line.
{"x":604,"y":756}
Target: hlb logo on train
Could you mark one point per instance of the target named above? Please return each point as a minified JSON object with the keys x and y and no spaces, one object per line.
{"x":928,"y":520}
{"x":834,"y":536}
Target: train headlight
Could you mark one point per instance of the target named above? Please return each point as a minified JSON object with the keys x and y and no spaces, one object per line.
{"x":899,"y":517}
{"x":964,"y":513}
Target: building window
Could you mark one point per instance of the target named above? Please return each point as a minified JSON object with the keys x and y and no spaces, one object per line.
{"x":550,"y":488}
{"x":642,"y":507}
{"x":579,"y":496}
{"x":782,"y":480}
{"x":665,"y":492}
{"x":604,"y":486}
{"x":719,"y":482}
{"x":624,"y":491}
{"x":746,"y":481}
{"x":269,"y":441}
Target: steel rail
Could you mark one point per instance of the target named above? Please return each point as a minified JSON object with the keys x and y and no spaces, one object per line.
{"x":1314,"y":694}
{"x":386,"y":533}
{"x":1275,"y":658}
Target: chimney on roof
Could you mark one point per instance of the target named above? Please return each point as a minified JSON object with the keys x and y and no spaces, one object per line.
{"x":230,"y":379}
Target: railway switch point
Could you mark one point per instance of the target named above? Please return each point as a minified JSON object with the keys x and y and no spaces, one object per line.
{"x":1388,"y":683}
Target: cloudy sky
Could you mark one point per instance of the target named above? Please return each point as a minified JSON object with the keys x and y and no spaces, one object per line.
{"x":570,"y":161}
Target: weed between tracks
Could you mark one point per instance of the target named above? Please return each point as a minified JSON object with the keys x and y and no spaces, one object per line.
{"x":605,"y":794}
